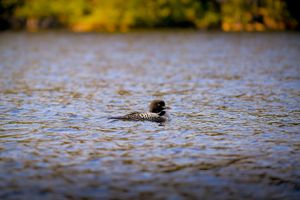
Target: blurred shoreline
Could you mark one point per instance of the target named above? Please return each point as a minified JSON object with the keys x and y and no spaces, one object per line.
{"x":124,"y":16}
{"x":147,"y":30}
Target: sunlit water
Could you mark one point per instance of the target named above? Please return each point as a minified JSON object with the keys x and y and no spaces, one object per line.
{"x":234,"y":134}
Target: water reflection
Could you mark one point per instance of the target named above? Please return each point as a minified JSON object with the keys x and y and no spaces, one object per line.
{"x":235,"y":115}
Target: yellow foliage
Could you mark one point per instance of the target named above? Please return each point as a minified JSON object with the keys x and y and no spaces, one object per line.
{"x":120,"y":15}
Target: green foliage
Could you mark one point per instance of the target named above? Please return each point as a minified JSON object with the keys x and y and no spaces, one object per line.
{"x":120,"y":15}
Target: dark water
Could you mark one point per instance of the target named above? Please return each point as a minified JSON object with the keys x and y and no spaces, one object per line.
{"x":234,"y":134}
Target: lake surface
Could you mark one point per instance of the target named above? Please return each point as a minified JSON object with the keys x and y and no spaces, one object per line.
{"x":234,"y":133}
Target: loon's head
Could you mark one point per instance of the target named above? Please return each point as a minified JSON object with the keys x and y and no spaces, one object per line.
{"x":157,"y":106}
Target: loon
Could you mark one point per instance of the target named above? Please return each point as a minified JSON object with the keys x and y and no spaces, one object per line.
{"x":156,"y":113}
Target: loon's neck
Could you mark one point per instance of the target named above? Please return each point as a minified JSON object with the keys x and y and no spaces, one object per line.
{"x":162,"y":113}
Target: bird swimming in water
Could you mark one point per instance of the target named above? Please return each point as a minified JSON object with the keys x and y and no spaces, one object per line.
{"x":156,"y":113}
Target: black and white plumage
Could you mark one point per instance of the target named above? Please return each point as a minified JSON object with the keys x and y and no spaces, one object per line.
{"x":156,"y":113}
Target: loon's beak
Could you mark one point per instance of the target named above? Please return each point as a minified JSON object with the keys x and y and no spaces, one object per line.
{"x":166,"y":107}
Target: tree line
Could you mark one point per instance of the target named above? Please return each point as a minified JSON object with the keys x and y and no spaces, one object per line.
{"x":120,"y":15}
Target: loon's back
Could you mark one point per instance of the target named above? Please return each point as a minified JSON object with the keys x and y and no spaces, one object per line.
{"x":146,"y":116}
